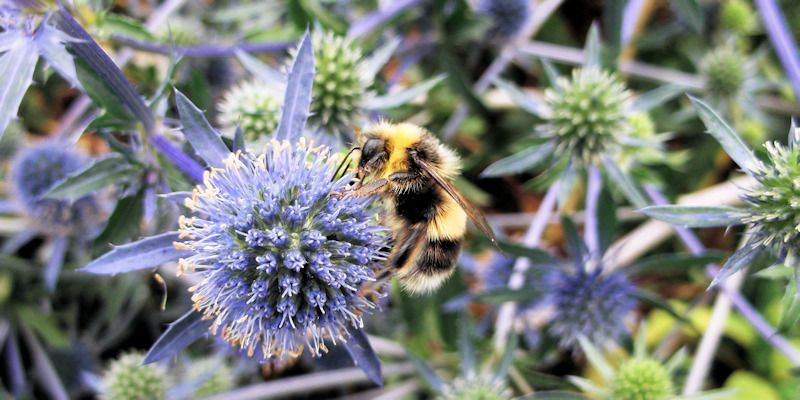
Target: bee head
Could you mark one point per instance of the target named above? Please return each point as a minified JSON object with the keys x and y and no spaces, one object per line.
{"x":373,"y":157}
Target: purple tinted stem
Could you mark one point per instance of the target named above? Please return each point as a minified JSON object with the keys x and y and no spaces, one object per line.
{"x":374,"y":19}
{"x":177,"y":157}
{"x":745,"y":308}
{"x":782,"y":41}
{"x":593,"y":188}
{"x":209,"y":50}
{"x":16,"y":375}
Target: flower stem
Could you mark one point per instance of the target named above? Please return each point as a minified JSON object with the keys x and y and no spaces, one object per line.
{"x":203,"y":51}
{"x":532,"y":238}
{"x":177,"y":157}
{"x":782,"y":41}
{"x":369,"y":22}
{"x":593,"y":189}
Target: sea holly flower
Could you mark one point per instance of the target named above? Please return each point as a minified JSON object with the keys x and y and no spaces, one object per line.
{"x":37,"y":169}
{"x":507,"y":17}
{"x":640,"y":376}
{"x":587,"y":126}
{"x":738,"y":16}
{"x":127,"y":379}
{"x":770,"y":209}
{"x":252,"y":106}
{"x":284,"y":264}
{"x":591,"y":304}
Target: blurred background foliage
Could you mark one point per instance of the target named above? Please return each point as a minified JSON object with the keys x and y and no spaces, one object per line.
{"x":67,"y":334}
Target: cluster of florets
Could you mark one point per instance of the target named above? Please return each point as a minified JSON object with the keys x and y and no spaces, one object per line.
{"x":588,"y":113}
{"x":339,"y":84}
{"x":285,"y":264}
{"x":641,"y":379}
{"x":127,"y":379}
{"x":476,"y":388}
{"x":738,"y":16}
{"x":774,"y":205}
{"x":253,"y":106}
{"x":725,"y":71}
{"x":34,"y":172}
{"x":590,"y":304}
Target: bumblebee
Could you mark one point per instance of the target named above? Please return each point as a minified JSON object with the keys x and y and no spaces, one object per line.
{"x":413,"y":173}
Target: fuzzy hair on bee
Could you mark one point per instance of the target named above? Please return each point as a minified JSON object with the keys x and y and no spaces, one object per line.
{"x":413,"y":173}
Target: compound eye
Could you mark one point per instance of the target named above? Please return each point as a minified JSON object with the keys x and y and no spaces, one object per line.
{"x":371,"y":149}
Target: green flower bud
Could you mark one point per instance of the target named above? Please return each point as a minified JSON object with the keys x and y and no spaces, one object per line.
{"x":127,"y":379}
{"x":738,"y":16}
{"x":339,"y":85}
{"x":774,"y":205}
{"x":478,"y":388}
{"x":641,"y":379}
{"x":641,"y":125}
{"x":218,"y":377}
{"x":588,"y":113}
{"x":725,"y":72}
{"x":253,"y":106}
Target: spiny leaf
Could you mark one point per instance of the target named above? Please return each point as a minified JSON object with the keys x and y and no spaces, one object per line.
{"x":147,"y":253}
{"x":205,"y":140}
{"x":297,"y":98}
{"x":695,"y":216}
{"x":734,"y":145}
{"x":98,"y":174}
{"x":186,"y":330}
{"x":392,"y":100}
{"x":522,"y":161}
{"x":16,"y":66}
{"x":363,"y":356}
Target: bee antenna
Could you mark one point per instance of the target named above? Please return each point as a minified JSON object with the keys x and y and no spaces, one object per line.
{"x":342,"y":164}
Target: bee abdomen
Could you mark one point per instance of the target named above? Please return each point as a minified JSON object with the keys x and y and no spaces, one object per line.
{"x":434,"y":263}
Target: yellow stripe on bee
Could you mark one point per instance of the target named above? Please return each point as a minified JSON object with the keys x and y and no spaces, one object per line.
{"x":399,"y":138}
{"x":449,"y":223}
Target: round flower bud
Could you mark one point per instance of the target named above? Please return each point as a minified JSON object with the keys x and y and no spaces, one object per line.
{"x":127,"y":379}
{"x":508,"y":17}
{"x":738,"y":17}
{"x":339,"y":85}
{"x":34,"y":172}
{"x":588,"y":113}
{"x":253,"y":107}
{"x":774,"y":204}
{"x":590,"y":304}
{"x":284,"y":263}
{"x":641,"y":379}
{"x":641,"y":125}
{"x":217,"y":376}
{"x":725,"y":72}
{"x":478,"y":388}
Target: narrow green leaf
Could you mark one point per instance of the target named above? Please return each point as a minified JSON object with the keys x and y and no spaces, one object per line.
{"x":43,"y":325}
{"x":203,"y":138}
{"x":98,"y":174}
{"x":624,"y":183}
{"x":123,"y":224}
{"x":734,"y":145}
{"x":695,"y":216}
{"x":790,"y":307}
{"x":691,"y":12}
{"x":575,"y":245}
{"x":740,"y":260}
{"x":596,"y":358}
{"x":522,"y":161}
{"x":656,"y":97}
{"x":662,"y":263}
{"x":508,"y":356}
{"x":593,"y":50}
{"x":523,"y":100}
{"x":507,"y":295}
{"x":535,"y":255}
{"x":465,"y":345}
{"x":392,"y":100}
{"x":426,"y":372}
{"x":101,"y":94}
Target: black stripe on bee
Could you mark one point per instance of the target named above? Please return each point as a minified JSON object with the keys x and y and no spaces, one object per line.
{"x":439,"y":255}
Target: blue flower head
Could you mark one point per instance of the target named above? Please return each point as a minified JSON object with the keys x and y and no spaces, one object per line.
{"x":34,"y":172}
{"x":284,"y":264}
{"x":591,"y":304}
{"x":508,"y":17}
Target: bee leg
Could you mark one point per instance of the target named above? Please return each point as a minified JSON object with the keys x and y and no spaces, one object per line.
{"x":364,"y":190}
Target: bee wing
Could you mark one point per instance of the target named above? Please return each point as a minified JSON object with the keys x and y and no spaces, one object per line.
{"x":473,"y":213}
